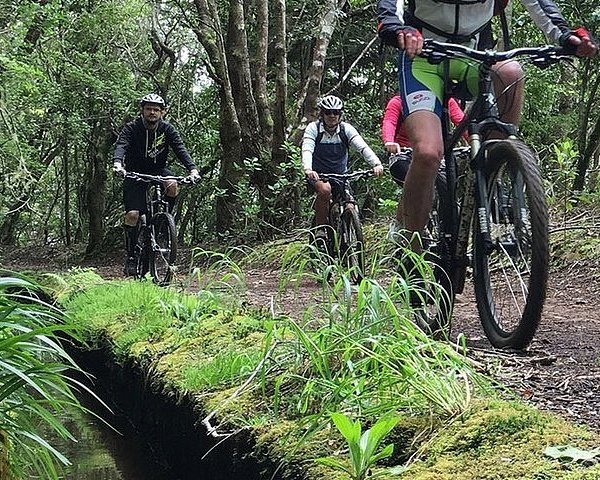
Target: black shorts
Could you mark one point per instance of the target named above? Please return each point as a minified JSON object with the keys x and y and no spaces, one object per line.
{"x":134,"y":192}
{"x":399,"y":164}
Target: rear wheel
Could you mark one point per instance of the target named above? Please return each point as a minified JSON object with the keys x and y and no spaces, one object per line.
{"x":163,"y":248}
{"x":436,"y":295}
{"x":352,"y":245}
{"x":511,"y":273}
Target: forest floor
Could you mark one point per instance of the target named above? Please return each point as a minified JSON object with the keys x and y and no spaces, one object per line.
{"x":560,"y":372}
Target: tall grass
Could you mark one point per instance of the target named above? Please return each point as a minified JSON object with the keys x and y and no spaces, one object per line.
{"x":35,"y":384}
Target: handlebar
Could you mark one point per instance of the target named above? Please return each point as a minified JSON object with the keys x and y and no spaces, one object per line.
{"x":341,"y":177}
{"x":541,"y":57}
{"x":143,"y":177}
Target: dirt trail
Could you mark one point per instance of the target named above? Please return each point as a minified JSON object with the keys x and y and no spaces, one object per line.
{"x":560,"y":372}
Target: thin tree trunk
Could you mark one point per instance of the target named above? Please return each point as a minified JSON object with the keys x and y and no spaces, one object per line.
{"x":96,"y":190}
{"x":307,"y":102}
{"x":67,"y":192}
{"x":259,"y":72}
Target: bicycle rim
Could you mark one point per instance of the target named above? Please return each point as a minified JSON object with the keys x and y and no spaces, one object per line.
{"x":141,"y":255}
{"x":511,"y":279}
{"x":163,"y":248}
{"x":352,"y":245}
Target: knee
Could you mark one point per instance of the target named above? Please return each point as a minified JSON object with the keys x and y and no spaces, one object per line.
{"x":132,"y":217}
{"x":171,"y":189}
{"x":427,"y":156}
{"x":323,"y":191}
{"x":510,"y":73}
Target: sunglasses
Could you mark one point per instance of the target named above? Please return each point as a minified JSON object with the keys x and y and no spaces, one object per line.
{"x":332,"y":112}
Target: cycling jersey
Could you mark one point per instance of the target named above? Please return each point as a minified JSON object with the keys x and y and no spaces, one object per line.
{"x":146,"y":151}
{"x":460,"y":21}
{"x":330,"y":154}
{"x":393,"y":128}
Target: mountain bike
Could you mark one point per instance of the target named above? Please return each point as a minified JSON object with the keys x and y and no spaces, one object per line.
{"x":343,"y":233}
{"x":490,"y":211}
{"x":156,"y":246}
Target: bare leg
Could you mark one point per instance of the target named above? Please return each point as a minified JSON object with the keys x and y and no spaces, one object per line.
{"x":509,"y":86}
{"x":425,"y":133}
{"x":323,"y":190}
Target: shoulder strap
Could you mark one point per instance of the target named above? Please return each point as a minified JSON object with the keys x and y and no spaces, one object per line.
{"x":343,"y":135}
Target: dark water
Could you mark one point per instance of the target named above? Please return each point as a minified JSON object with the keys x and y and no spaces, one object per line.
{"x":101,"y":453}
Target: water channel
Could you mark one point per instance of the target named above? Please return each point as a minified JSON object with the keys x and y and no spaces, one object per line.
{"x":105,"y":453}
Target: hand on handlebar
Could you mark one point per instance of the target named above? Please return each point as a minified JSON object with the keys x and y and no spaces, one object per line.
{"x":118,"y":169}
{"x":391,"y":147}
{"x":311,"y":175}
{"x":194,"y":176}
{"x":410,"y":40}
{"x":378,"y":170}
{"x":581,"y":43}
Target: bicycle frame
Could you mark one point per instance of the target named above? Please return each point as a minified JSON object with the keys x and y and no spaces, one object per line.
{"x":480,"y":120}
{"x":156,"y":248}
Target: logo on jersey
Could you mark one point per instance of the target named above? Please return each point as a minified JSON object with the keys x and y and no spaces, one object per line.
{"x":421,"y":100}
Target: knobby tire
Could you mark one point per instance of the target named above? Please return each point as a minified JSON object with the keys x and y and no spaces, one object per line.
{"x":163,"y":250}
{"x":352,"y":245}
{"x":511,"y":279}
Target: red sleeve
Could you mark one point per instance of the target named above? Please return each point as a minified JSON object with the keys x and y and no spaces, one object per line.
{"x":456,"y":115}
{"x":390,"y":119}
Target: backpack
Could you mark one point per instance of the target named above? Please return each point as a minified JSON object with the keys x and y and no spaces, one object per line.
{"x":343,"y":136}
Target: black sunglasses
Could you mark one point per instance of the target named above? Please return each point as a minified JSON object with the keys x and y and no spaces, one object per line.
{"x":332,"y":112}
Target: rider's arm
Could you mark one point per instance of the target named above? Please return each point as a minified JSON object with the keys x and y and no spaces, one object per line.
{"x":308,"y":146}
{"x":391,"y":20}
{"x":548,"y":18}
{"x":357,"y":142}
{"x":179,"y":149}
{"x":122,"y":145}
{"x":389,"y":124}
{"x":391,"y":116}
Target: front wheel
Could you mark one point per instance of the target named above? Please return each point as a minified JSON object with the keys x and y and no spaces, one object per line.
{"x":163,"y":248}
{"x":352,"y":245}
{"x":511,"y":271}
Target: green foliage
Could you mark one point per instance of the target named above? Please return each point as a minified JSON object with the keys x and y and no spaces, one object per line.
{"x":568,"y":454}
{"x":559,"y":171}
{"x":362,"y":447}
{"x":35,"y":386}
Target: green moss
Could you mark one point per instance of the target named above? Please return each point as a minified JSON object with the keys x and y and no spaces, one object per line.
{"x":196,"y":346}
{"x":499,"y":440}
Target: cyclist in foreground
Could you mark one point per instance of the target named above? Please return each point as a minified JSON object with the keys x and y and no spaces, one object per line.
{"x":142,"y":147}
{"x":325,"y":150}
{"x":421,"y":85}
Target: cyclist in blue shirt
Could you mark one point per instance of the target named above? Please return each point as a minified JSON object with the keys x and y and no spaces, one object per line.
{"x":325,"y":150}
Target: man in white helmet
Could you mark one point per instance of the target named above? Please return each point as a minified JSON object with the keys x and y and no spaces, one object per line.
{"x":142,"y":146}
{"x":325,"y":150}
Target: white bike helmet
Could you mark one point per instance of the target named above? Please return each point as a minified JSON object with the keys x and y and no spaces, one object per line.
{"x":152,"y":98}
{"x":330,"y":102}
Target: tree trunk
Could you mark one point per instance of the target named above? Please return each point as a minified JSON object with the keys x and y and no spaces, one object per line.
{"x":259,"y":72}
{"x":587,"y":142}
{"x":67,"y":191}
{"x":307,"y":102}
{"x":99,"y":151}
